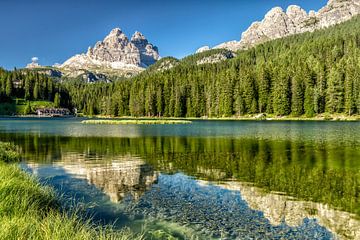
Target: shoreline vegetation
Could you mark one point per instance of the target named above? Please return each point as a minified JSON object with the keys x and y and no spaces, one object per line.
{"x":268,"y":117}
{"x":136,"y":122}
{"x":260,"y":117}
{"x":29,"y":210}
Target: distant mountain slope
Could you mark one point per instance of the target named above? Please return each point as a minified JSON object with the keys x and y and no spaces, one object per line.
{"x":278,"y":24}
{"x":206,"y":57}
{"x":163,"y":64}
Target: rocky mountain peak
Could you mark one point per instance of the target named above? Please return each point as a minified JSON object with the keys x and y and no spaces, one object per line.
{"x":116,"y":52}
{"x":115,"y":32}
{"x":139,"y":40}
{"x":277,"y":23}
{"x":293,"y":11}
{"x":116,"y":36}
{"x":274,"y":12}
{"x":138,"y":36}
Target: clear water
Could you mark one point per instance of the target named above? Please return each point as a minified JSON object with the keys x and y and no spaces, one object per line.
{"x":207,"y":180}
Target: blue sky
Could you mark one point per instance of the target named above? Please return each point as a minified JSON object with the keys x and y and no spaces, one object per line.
{"x":56,"y":30}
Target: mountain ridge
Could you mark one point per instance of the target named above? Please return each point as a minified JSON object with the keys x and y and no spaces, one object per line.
{"x":278,"y":23}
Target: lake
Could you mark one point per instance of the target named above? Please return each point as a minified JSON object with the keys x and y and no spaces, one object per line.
{"x":206,"y":180}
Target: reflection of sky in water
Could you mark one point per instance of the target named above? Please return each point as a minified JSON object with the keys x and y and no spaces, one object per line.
{"x":209,"y":210}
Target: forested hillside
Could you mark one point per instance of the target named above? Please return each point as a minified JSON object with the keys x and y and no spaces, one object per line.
{"x":306,"y":74}
{"x":20,"y":87}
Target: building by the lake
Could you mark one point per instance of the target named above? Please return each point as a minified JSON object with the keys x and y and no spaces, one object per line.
{"x":53,"y":112}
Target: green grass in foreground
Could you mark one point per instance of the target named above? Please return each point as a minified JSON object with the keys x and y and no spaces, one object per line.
{"x":29,"y":210}
{"x":125,"y":122}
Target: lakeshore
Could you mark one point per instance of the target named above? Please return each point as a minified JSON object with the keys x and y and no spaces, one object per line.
{"x":173,"y":120}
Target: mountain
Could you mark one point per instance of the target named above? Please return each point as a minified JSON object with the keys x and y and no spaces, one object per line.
{"x":116,"y":54}
{"x":163,"y":64}
{"x":278,"y":23}
{"x":211,"y":56}
{"x":208,"y":57}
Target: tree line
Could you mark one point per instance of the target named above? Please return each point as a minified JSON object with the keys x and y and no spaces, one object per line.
{"x":30,"y":86}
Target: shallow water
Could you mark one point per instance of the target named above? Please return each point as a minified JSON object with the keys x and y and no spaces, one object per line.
{"x":210,"y":179}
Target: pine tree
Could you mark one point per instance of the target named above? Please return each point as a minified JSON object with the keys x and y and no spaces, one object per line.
{"x":281,"y":94}
{"x":309,"y":100}
{"x":27,"y":88}
{"x":36,"y":90}
{"x":9,"y":87}
{"x":335,"y":91}
{"x":159,"y":102}
{"x":264,"y":82}
{"x":350,"y":104}
{"x":297,"y":97}
{"x":27,"y":109}
{"x":57,"y":100}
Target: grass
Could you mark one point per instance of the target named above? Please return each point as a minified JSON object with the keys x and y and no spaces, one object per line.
{"x":21,"y":104}
{"x":8,"y":153}
{"x":126,"y":122}
{"x":29,"y":210}
{"x":17,"y":106}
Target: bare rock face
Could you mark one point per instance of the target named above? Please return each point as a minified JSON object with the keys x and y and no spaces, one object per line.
{"x":149,"y":54}
{"x":232,"y":46}
{"x":116,"y":51}
{"x":337,"y":11}
{"x":278,"y":24}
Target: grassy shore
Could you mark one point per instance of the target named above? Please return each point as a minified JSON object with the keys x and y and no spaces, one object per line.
{"x":29,"y":210}
{"x":133,"y":121}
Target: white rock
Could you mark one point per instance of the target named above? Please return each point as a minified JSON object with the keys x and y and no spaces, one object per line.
{"x":203,"y":49}
{"x":116,"y":51}
{"x":232,"y":45}
{"x":279,"y":24}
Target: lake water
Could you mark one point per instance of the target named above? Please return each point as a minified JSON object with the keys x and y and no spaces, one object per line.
{"x":207,"y":180}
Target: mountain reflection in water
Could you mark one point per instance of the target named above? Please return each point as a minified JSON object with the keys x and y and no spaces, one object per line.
{"x":127,"y":177}
{"x":278,"y":209}
{"x":227,"y":209}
